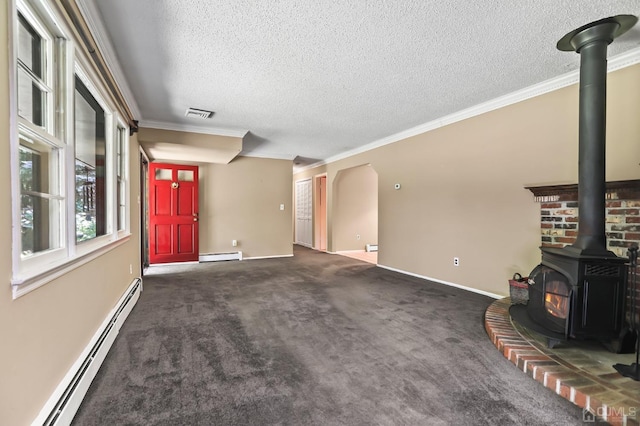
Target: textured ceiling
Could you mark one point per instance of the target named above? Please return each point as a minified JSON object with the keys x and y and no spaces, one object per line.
{"x":314,"y":79}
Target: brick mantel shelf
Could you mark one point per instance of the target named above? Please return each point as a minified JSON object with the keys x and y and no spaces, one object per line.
{"x":617,"y":190}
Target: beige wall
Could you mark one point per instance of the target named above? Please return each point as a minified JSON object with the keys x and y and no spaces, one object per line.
{"x":241,"y":201}
{"x":43,"y":332}
{"x":355,"y":210}
{"x":463,"y":185}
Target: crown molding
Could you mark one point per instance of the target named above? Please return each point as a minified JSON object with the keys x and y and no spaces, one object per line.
{"x":623,"y":60}
{"x":162,"y":125}
{"x":94,"y":22}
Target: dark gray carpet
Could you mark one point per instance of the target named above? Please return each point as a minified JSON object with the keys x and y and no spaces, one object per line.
{"x":315,"y":339}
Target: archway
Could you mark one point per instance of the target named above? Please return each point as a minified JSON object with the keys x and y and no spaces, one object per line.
{"x":355,"y":212}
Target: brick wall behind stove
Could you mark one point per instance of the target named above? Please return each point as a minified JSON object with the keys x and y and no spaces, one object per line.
{"x":559,"y":224}
{"x":559,"y":227}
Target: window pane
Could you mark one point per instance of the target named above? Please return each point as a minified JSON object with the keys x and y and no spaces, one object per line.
{"x":39,"y":207}
{"x":121,"y":212}
{"x":34,"y":165}
{"x":185,"y":175}
{"x":119,"y":159}
{"x":85,"y":127}
{"x":30,"y":47}
{"x":90,"y":165}
{"x":164,"y":174}
{"x":35,"y":224}
{"x":121,"y":188}
{"x":31,"y":98}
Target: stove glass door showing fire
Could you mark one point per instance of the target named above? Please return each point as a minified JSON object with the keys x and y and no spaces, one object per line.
{"x":556,"y":299}
{"x":549,"y":299}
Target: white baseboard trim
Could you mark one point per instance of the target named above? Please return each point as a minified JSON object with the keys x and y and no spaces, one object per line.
{"x":277,"y":256}
{"x":153,"y":265}
{"x":471,"y":289}
{"x":216,"y":257}
{"x":65,"y":400}
{"x":348,"y":251}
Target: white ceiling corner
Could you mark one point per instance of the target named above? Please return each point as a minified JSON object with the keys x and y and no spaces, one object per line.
{"x":93,"y":19}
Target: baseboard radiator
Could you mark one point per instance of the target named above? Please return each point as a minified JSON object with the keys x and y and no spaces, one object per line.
{"x":65,"y":401}
{"x":371,"y":247}
{"x":217,"y":257}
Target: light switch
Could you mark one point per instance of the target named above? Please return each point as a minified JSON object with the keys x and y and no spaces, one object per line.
{"x":281,"y":206}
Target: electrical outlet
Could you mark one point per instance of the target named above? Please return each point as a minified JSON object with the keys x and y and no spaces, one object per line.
{"x":130,"y":268}
{"x":357,"y":236}
{"x":234,"y":243}
{"x":456,"y":261}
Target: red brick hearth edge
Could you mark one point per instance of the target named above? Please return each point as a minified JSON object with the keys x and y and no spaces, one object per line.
{"x":601,"y":391}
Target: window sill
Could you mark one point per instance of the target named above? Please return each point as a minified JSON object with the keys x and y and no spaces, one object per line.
{"x":23,"y":284}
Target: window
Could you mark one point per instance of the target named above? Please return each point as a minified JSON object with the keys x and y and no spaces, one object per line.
{"x":122,"y":165}
{"x":70,"y":153}
{"x":90,"y":165}
{"x":40,"y":152}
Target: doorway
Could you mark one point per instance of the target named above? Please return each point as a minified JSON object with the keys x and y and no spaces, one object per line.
{"x":173,"y":213}
{"x":144,"y":216}
{"x":321,"y":213}
{"x":304,"y":217}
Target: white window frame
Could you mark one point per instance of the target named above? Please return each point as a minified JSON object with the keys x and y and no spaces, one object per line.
{"x":49,"y":134}
{"x":46,"y":32}
{"x":35,"y":270}
{"x":84,"y":247}
{"x":120,"y":127}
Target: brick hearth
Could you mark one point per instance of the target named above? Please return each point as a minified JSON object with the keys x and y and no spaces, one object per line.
{"x":581,"y":372}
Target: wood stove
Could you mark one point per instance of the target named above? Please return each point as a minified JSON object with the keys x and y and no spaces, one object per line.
{"x":579,"y":291}
{"x":572,"y":295}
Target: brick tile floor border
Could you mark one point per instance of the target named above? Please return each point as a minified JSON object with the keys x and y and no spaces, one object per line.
{"x":600,"y":389}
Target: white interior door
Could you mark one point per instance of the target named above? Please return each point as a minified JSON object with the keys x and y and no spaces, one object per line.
{"x":304,"y":216}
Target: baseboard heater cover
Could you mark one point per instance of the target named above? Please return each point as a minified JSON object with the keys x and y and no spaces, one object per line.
{"x":371,"y":247}
{"x":66,"y":399}
{"x":217,"y":257}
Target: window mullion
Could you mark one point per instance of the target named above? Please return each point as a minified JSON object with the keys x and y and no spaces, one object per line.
{"x":35,"y":78}
{"x":30,"y":131}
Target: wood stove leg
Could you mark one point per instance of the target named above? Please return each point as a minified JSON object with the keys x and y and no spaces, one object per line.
{"x":552,"y":343}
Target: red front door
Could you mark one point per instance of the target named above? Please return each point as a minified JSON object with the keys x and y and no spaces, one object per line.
{"x":173,"y":213}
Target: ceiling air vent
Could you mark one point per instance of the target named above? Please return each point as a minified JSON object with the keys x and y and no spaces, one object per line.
{"x":198,"y":113}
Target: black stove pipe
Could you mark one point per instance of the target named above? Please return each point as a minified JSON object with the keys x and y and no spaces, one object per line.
{"x":591,"y":42}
